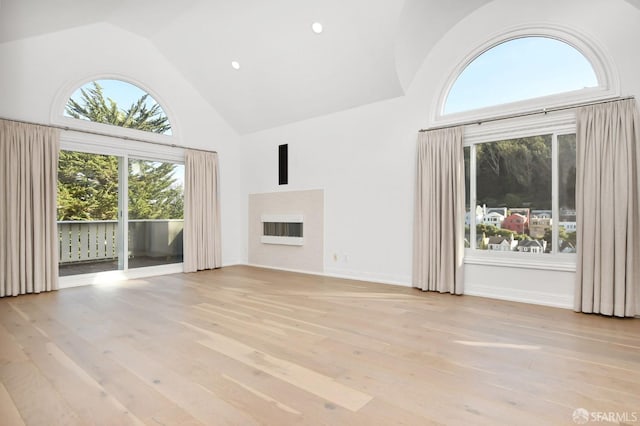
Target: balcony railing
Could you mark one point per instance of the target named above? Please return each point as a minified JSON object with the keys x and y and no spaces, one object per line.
{"x":97,"y":240}
{"x":87,"y":240}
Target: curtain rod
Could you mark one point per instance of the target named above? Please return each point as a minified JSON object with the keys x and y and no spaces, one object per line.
{"x":93,"y":132}
{"x":527,"y":113}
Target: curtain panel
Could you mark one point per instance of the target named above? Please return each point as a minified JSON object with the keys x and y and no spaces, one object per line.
{"x":607,"y":216}
{"x":28,"y":228}
{"x":438,"y":241}
{"x":202,"y":246}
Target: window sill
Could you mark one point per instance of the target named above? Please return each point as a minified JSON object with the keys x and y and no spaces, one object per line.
{"x":547,"y":262}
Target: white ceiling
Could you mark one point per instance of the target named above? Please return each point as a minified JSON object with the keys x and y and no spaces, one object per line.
{"x":370,"y":50}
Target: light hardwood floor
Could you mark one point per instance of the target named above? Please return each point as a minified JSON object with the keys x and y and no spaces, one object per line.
{"x":245,"y":346}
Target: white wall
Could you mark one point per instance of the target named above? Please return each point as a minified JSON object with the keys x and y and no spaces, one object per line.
{"x":364,"y":158}
{"x":545,"y":287}
{"x":36,"y":72}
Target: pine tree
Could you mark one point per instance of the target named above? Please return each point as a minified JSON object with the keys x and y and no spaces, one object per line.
{"x":88,"y":183}
{"x":152,"y":191}
{"x":87,"y":186}
{"x":94,"y":107}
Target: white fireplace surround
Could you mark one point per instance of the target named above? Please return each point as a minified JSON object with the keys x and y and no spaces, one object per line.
{"x":282,"y":218}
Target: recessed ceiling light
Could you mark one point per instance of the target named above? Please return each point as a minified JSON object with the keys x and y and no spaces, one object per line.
{"x":235,"y":65}
{"x":316,"y":27}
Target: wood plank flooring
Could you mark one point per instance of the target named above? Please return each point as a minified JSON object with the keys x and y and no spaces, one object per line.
{"x":249,"y":346}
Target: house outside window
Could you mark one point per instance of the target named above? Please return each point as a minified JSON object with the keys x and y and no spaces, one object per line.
{"x":515,"y":186}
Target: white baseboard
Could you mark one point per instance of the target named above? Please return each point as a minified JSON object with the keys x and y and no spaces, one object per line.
{"x":367,"y":276}
{"x":513,"y":295}
{"x":277,"y":268}
{"x":337,"y":273}
{"x":523,"y":296}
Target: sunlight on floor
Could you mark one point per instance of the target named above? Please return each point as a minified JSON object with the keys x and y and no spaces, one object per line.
{"x":497,"y":345}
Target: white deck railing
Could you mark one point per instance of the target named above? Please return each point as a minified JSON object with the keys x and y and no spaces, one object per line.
{"x":91,"y":240}
{"x":82,"y":241}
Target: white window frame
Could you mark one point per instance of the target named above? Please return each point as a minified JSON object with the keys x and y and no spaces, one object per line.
{"x":526,"y":122}
{"x":606,"y":75}
{"x":557,"y":123}
{"x":105,"y":139}
{"x":65,"y":93}
{"x":124,"y":149}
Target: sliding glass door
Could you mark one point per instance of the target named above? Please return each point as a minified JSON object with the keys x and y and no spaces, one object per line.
{"x":155,"y":211}
{"x":88,"y":189}
{"x":117,"y":213}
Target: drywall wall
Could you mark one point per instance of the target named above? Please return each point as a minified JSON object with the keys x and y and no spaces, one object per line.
{"x":545,"y":287}
{"x":364,"y":158}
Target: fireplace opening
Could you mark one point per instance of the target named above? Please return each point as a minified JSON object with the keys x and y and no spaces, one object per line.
{"x":283,"y":229}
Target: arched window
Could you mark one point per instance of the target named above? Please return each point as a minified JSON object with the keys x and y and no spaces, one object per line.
{"x":517,"y":70}
{"x":120,"y":192}
{"x":524,"y":167}
{"x":118,"y":103}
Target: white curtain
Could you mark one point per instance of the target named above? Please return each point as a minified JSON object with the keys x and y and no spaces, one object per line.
{"x":201,"y":212}
{"x":438,"y":241}
{"x":608,"y":225}
{"x":28,"y":229}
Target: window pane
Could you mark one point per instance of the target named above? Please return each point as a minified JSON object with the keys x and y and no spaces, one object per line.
{"x":513,"y":185}
{"x":567,"y":193}
{"x":156,"y":206}
{"x":118,"y":103}
{"x":520,"y":69}
{"x":87,"y":213}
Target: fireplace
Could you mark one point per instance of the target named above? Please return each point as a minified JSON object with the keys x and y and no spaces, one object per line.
{"x":285,"y":229}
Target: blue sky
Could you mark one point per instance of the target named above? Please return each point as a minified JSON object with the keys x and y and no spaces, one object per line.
{"x":520,"y":69}
{"x":123,"y":93}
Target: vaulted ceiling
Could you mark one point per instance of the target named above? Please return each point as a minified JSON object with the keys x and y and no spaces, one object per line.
{"x":369,"y":50}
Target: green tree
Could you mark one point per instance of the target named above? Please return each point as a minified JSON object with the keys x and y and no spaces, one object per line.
{"x":515,"y":171}
{"x":153,"y":193}
{"x":87,"y":186}
{"x":88,"y":183}
{"x":567,"y":171}
{"x":490,"y":231}
{"x":93,"y":106}
{"x":564,"y":237}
